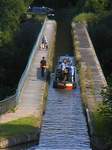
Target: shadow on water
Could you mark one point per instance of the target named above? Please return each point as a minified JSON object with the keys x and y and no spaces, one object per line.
{"x":64,"y":43}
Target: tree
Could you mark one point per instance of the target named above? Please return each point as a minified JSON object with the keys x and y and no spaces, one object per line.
{"x":97,"y":6}
{"x":10,"y":13}
{"x":10,"y":18}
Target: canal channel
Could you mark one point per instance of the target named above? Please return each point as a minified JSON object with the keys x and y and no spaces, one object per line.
{"x":64,"y":123}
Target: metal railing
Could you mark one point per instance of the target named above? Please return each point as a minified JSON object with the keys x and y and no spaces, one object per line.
{"x":7,"y":104}
{"x":10,"y":102}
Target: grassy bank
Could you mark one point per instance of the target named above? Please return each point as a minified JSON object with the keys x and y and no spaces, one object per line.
{"x":18,"y":127}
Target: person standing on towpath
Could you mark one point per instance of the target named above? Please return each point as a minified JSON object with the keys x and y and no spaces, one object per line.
{"x":43,"y":66}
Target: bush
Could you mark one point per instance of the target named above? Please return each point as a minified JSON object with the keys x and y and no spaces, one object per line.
{"x":14,"y":56}
{"x":86,"y":18}
{"x":103,"y":124}
{"x":103,"y":117}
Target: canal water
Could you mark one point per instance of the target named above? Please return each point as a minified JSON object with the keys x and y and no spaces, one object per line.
{"x":64,"y":125}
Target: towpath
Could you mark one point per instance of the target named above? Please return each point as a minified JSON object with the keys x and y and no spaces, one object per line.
{"x":31,"y":94}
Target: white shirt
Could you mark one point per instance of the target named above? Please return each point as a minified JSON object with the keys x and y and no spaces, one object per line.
{"x":63,"y":66}
{"x":72,"y":70}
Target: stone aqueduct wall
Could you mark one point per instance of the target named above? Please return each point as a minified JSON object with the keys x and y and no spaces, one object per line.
{"x":90,"y":68}
{"x":92,"y":79}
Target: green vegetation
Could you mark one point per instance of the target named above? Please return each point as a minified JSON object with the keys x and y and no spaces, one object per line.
{"x":103,"y":118}
{"x":85,"y":17}
{"x":19,"y":127}
{"x":18,"y":33}
{"x":10,"y":17}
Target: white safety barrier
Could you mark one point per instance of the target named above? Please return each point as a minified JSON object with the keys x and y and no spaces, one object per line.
{"x":7,"y":104}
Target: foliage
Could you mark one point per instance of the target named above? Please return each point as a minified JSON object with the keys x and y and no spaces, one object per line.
{"x":14,"y":56}
{"x":96,"y":6}
{"x":28,"y":2}
{"x":103,"y":117}
{"x":16,"y":42}
{"x":10,"y":13}
{"x":107,"y":96}
{"x":10,"y":17}
{"x":103,"y":124}
{"x":85,"y":17}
